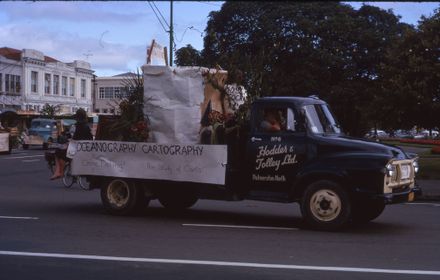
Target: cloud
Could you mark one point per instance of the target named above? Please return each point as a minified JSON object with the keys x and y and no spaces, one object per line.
{"x":104,"y":57}
{"x":69,"y":11}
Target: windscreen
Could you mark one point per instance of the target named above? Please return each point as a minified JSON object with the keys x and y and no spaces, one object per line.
{"x":320,"y":119}
{"x":43,"y":124}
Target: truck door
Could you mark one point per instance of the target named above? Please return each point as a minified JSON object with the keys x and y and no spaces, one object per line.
{"x":276,"y":147}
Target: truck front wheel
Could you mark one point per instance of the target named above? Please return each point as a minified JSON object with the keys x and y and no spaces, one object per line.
{"x":123,"y":197}
{"x":325,"y":205}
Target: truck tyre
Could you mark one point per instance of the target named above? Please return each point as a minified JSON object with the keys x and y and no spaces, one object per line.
{"x":123,"y":197}
{"x":367,"y":210}
{"x":45,"y":146}
{"x":325,"y":205}
{"x":25,"y":146}
{"x":177,"y":200}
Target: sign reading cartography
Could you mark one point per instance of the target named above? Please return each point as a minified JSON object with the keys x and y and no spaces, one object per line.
{"x":174,"y":162}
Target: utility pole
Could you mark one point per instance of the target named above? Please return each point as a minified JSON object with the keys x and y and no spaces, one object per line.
{"x":171,"y":33}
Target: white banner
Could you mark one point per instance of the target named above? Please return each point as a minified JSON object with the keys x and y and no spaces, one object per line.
{"x":174,"y":162}
{"x":4,"y":142}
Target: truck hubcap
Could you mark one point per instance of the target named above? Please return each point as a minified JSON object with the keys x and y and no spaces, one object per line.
{"x":325,"y":205}
{"x":118,"y":193}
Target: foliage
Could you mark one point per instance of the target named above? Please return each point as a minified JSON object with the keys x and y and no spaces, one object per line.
{"x":49,"y":111}
{"x":412,"y":72}
{"x":298,"y":48}
{"x":188,"y":56}
{"x":132,"y":125}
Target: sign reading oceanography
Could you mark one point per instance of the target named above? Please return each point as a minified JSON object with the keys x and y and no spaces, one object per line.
{"x":175,"y":162}
{"x":272,"y":158}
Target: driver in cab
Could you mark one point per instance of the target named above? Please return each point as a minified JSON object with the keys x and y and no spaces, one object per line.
{"x":271,"y":121}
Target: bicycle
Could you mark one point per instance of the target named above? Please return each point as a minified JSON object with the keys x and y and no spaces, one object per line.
{"x":68,"y":178}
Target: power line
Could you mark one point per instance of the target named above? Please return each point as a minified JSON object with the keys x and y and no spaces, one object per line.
{"x":161,"y":15}
{"x":157,"y":17}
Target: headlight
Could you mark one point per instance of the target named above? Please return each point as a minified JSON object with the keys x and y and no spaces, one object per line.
{"x":416,"y":166}
{"x":391,"y":170}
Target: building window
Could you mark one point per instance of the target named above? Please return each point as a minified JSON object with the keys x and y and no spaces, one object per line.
{"x":117,"y":92}
{"x":47,"y":83}
{"x":72,"y":87}
{"x":96,"y":110}
{"x":64,"y":85}
{"x":12,"y":84}
{"x":113,"y":92}
{"x":104,"y":111}
{"x":7,"y":82}
{"x":56,"y":84}
{"x":83,"y":88}
{"x":101,"y":93}
{"x":34,"y":81}
{"x":108,"y":93}
{"x":17,"y":84}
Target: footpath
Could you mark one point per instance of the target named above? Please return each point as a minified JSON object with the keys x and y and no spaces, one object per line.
{"x":430,"y":190}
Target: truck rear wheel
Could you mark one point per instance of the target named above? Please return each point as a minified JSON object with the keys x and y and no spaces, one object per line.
{"x":178,"y":200}
{"x":367,"y":210}
{"x":326,"y":205}
{"x":123,"y":197}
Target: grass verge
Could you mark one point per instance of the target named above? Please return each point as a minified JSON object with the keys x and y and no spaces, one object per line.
{"x":429,"y":168}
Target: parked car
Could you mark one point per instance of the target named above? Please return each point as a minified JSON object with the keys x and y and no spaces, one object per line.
{"x":380,"y":134}
{"x":400,"y":133}
{"x":45,"y":131}
{"x":424,"y":134}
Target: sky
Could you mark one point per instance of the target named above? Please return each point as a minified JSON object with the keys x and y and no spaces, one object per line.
{"x":113,"y":35}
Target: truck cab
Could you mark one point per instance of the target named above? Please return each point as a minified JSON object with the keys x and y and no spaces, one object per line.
{"x":309,"y":160}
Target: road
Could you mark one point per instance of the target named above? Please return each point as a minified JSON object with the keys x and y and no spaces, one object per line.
{"x":50,"y":232}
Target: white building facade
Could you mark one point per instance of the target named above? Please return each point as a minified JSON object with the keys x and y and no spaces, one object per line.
{"x":29,"y":80}
{"x":110,"y":91}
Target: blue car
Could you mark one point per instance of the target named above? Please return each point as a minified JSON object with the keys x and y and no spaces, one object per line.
{"x":42,"y":132}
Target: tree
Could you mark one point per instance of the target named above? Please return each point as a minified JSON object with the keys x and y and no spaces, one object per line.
{"x":188,"y":56}
{"x":49,"y":111}
{"x":132,"y":124}
{"x":412,"y":76}
{"x":288,"y":48}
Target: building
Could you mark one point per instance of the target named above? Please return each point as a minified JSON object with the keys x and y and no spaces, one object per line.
{"x":109,"y":91}
{"x":29,"y":80}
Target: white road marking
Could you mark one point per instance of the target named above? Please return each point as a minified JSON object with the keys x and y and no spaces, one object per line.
{"x":30,"y":160}
{"x":423,"y":203}
{"x":234,"y":226}
{"x":223,"y":263}
{"x":22,"y":218}
{"x":24,"y":157}
{"x":20,"y":153}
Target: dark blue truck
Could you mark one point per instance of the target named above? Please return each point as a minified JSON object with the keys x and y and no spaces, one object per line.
{"x":336,"y":179}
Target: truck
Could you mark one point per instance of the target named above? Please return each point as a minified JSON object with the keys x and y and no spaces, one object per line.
{"x":336,"y":179}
